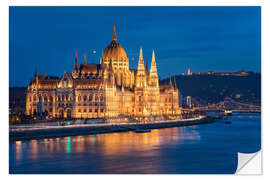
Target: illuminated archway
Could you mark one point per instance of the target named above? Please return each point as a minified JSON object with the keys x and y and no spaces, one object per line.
{"x":61,"y":113}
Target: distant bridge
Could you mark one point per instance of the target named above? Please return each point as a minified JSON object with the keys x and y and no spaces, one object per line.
{"x":227,"y":104}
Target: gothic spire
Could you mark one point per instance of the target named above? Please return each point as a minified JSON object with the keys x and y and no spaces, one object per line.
{"x":153,"y":70}
{"x":146,"y":68}
{"x":84,"y":59}
{"x":114,"y":37}
{"x":76,"y":66}
{"x":36,"y":74}
{"x":141,"y":62}
{"x":175,"y":86}
{"x":171,"y":82}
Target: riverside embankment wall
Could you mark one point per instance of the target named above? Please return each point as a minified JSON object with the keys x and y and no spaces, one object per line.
{"x":74,"y":130}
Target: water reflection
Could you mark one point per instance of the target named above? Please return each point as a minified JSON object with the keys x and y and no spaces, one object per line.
{"x":111,"y":143}
{"x":18,"y":147}
{"x":191,"y":149}
{"x":34,"y":149}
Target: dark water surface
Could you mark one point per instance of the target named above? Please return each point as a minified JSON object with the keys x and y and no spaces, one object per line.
{"x":208,"y":148}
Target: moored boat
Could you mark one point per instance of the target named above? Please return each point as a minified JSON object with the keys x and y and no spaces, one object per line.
{"x":228,"y":112}
{"x":142,"y":130}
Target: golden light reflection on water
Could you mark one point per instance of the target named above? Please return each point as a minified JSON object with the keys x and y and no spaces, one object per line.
{"x":34,"y":149}
{"x":111,"y":143}
{"x":18,"y":147}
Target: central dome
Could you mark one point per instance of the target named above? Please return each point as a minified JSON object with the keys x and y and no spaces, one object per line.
{"x":114,"y":50}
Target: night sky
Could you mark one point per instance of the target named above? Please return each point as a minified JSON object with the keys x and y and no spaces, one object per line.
{"x":204,"y":38}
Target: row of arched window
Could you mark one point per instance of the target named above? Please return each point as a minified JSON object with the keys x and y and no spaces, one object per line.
{"x":90,"y":110}
{"x":64,"y":97}
{"x":37,"y":98}
{"x":90,"y":97}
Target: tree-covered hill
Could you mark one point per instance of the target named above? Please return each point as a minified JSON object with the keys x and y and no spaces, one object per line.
{"x":214,"y":88}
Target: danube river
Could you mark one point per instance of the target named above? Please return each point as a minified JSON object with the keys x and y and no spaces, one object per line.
{"x":206,"y":148}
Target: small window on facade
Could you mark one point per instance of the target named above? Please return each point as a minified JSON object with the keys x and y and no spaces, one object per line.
{"x":90,"y":97}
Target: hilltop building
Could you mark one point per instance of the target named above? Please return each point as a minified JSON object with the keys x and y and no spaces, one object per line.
{"x":107,"y":89}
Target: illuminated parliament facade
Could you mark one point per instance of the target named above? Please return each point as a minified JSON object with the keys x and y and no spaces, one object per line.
{"x":108,"y":89}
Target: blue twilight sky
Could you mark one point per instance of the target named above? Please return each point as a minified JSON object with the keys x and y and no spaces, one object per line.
{"x":204,"y":38}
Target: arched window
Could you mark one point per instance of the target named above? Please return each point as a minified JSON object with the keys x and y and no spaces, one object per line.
{"x":79,"y":98}
{"x":90,"y":97}
{"x":45,"y":98}
{"x":51,"y":99}
{"x":85,"y":98}
{"x":101,"y":98}
{"x":96,"y":97}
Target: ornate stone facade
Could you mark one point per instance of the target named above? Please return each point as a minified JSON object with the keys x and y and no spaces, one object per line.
{"x":108,"y":89}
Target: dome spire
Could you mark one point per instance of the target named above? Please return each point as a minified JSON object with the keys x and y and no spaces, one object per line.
{"x":114,"y":37}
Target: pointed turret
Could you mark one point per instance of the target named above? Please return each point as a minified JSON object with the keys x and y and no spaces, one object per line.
{"x":140,"y":76}
{"x":146,"y":68}
{"x":75,"y":71}
{"x":84,"y":59}
{"x":114,"y":37}
{"x":175,"y":86}
{"x":43,"y":76}
{"x":141,"y":63}
{"x":36,"y":76}
{"x":153,"y":71}
{"x":170,"y":82}
{"x":76,"y":66}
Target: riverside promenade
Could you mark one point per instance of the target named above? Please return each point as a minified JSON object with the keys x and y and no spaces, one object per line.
{"x":39,"y":132}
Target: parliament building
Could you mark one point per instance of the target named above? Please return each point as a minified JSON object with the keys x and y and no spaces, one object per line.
{"x":108,"y":89}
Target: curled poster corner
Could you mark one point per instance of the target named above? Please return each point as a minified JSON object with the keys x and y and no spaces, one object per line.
{"x":249,"y":163}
